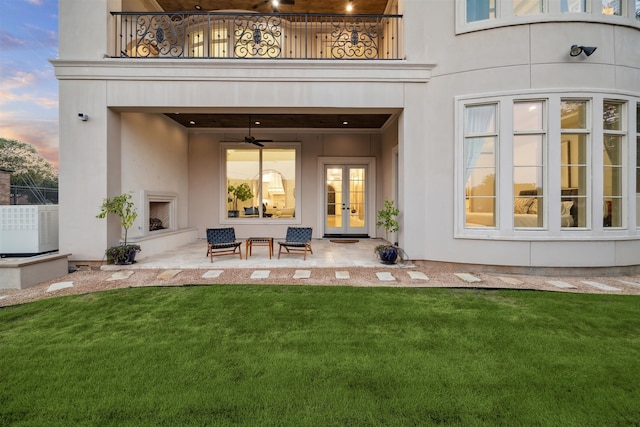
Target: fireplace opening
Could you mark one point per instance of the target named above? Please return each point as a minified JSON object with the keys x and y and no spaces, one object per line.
{"x":159,"y":215}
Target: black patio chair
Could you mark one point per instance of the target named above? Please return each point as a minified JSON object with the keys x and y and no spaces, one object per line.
{"x":298,"y":240}
{"x":222,"y":241}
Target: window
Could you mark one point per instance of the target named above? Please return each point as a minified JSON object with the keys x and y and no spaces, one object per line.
{"x":474,"y":15}
{"x":528,"y":164}
{"x":478,"y":10}
{"x":261,"y":183}
{"x":612,"y":7}
{"x":216,"y":47}
{"x":527,"y":7}
{"x":573,"y":6}
{"x":480,"y":165}
{"x":613,"y":169}
{"x":638,"y":165}
{"x":557,"y":164}
{"x":574,"y":162}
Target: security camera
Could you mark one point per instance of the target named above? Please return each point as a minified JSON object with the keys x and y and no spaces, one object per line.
{"x":83,"y":117}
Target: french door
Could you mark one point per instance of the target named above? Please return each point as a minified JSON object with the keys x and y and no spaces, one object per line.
{"x":345,"y":199}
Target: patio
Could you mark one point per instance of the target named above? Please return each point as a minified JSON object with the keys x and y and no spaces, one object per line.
{"x":326,"y":254}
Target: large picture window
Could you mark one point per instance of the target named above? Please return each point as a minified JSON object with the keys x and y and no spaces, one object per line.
{"x":539,"y":166}
{"x":261,"y":183}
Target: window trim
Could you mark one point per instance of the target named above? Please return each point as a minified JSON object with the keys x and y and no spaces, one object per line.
{"x":222,"y":188}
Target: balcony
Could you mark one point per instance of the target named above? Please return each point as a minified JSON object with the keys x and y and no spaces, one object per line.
{"x":217,"y":35}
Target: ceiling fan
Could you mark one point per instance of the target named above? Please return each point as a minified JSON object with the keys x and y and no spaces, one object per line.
{"x":263,"y":2}
{"x":251,"y":140}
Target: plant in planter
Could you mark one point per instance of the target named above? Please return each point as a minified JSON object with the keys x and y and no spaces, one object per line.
{"x":387,"y":218}
{"x":240,"y":192}
{"x":124,"y":208}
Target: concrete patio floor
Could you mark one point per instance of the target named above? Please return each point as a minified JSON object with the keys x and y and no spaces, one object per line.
{"x":326,"y":254}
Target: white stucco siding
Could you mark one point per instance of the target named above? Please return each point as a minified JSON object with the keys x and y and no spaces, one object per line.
{"x":154,"y":159}
{"x":89,"y":169}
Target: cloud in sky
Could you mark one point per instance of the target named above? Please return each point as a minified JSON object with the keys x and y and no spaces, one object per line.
{"x":28,"y":87}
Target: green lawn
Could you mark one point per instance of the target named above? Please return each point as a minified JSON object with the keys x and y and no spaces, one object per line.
{"x":321,"y":356}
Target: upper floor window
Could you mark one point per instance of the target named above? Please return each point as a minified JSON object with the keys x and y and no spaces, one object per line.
{"x":527,"y":7}
{"x":478,"y":10}
{"x":612,"y":7}
{"x":481,"y":14}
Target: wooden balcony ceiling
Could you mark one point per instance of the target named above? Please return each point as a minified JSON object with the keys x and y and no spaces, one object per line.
{"x":375,"y":7}
{"x":283,"y":121}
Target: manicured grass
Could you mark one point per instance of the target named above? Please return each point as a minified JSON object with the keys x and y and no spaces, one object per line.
{"x":321,"y":356}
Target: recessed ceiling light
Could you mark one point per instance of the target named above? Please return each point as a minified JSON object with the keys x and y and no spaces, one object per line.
{"x":198,"y":7}
{"x":192,"y":122}
{"x":256,"y":122}
{"x":345,"y":123}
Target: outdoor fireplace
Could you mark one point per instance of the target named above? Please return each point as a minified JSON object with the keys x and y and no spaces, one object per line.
{"x":159,"y":211}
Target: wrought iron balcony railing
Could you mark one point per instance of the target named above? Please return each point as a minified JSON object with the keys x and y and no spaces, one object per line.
{"x":217,"y":35}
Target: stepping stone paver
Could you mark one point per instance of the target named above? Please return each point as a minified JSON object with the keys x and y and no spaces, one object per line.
{"x":120,"y":275}
{"x":560,"y":284}
{"x":385,"y":276}
{"x":168,"y":274}
{"x":302,"y":274}
{"x":261,"y":274}
{"x":511,"y":280}
{"x":417,"y":275}
{"x":60,"y":285}
{"x":212,"y":274}
{"x":342,"y":275}
{"x":600,"y":286}
{"x":629,"y":283}
{"x":469,"y":278}
{"x":3,"y":297}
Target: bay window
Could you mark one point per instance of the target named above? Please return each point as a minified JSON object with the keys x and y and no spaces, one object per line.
{"x":261,"y":182}
{"x":554,"y":165}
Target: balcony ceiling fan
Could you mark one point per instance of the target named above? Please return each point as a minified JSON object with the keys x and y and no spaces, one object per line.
{"x":263,"y":2}
{"x":252,"y":140}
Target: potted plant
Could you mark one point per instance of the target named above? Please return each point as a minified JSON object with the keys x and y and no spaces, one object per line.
{"x":387,"y":218}
{"x":124,"y":208}
{"x":240,"y":192}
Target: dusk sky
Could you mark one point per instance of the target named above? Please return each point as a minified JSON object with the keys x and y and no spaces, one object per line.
{"x":28,"y":87}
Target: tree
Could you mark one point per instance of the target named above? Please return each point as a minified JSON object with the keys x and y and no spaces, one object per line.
{"x":28,"y":168}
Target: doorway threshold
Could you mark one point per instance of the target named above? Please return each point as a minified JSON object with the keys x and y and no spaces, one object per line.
{"x":346,"y":236}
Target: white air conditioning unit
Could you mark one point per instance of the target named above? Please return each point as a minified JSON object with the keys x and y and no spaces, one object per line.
{"x":28,"y":229}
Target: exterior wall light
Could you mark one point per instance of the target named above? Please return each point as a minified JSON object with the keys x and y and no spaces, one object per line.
{"x":577,"y":50}
{"x":83,"y":117}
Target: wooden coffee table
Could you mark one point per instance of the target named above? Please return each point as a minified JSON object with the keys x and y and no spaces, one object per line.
{"x":258,"y":241}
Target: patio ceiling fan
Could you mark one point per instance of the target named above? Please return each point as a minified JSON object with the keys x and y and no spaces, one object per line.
{"x":263,"y":2}
{"x":252,"y":140}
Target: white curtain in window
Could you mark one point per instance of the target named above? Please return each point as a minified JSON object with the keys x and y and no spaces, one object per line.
{"x":477,"y":120}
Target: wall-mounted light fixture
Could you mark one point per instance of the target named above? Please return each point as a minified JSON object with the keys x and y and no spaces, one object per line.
{"x":350,"y":6}
{"x":83,"y":117}
{"x":577,"y":50}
